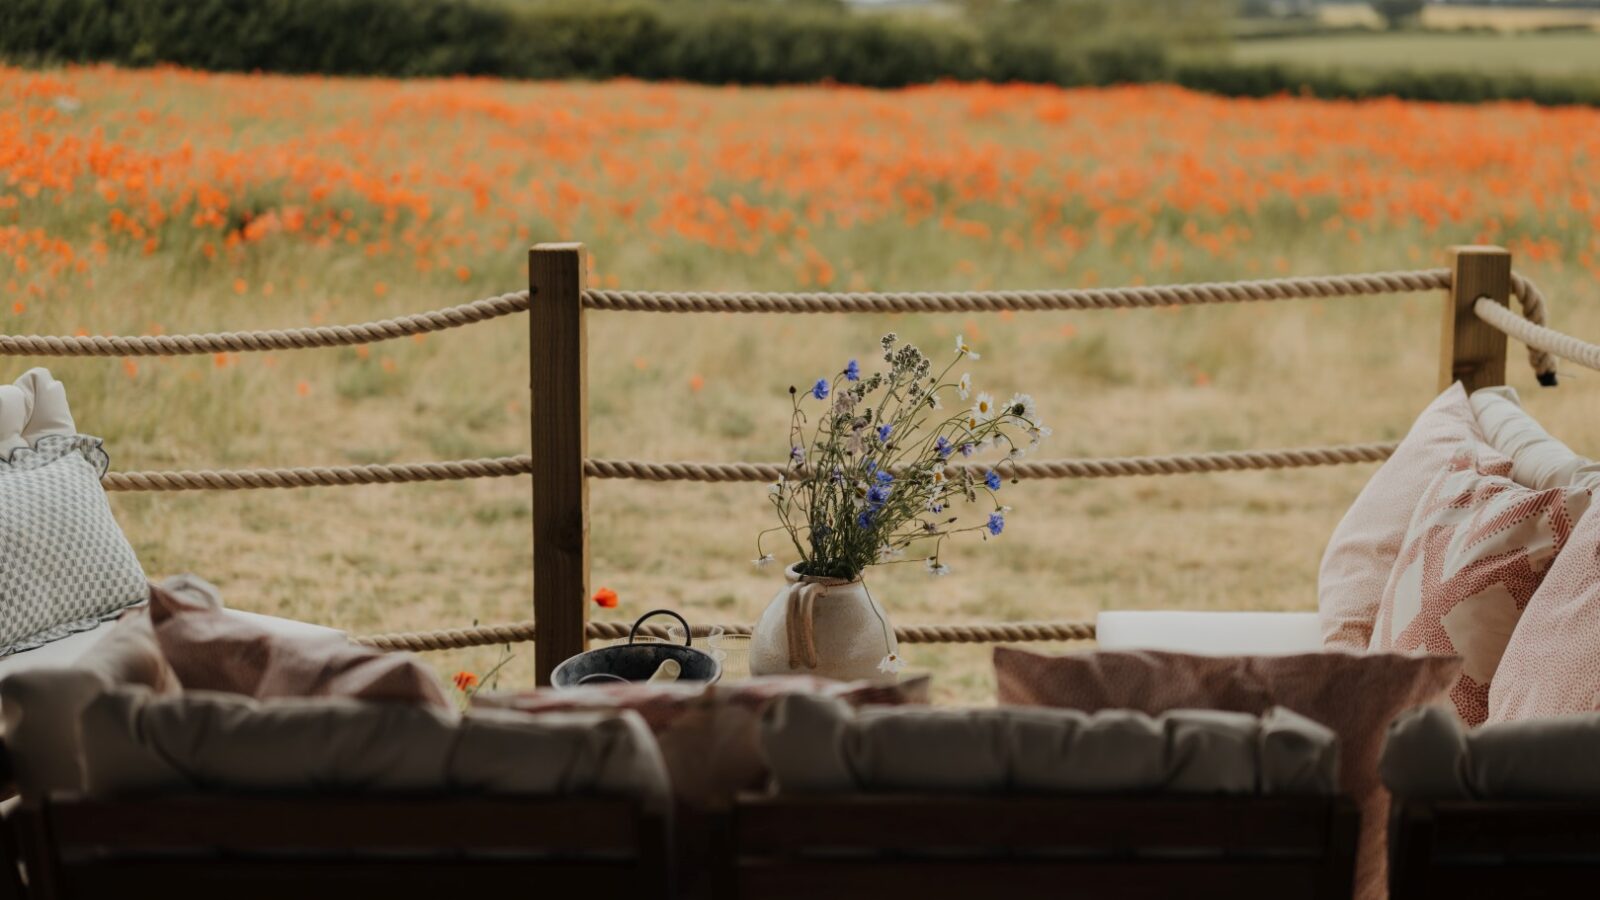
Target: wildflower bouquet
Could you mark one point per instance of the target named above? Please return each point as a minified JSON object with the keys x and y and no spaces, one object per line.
{"x":873,"y":478}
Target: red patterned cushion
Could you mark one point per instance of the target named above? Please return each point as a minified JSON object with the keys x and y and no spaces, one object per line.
{"x":1477,"y":548}
{"x":1552,"y":665}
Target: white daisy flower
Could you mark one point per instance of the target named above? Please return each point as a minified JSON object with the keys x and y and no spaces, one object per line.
{"x":963,"y":348}
{"x":935,"y":568}
{"x":763,"y":561}
{"x":1038,"y":433}
{"x":983,"y":410}
{"x":964,"y":386}
{"x":1030,"y":411}
{"x":891,"y":664}
{"x":776,"y":488}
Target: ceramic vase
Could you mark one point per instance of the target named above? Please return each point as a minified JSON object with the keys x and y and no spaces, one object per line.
{"x":829,"y":627}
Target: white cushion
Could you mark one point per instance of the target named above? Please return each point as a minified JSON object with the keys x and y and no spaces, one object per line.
{"x":135,"y":742}
{"x":820,"y":744}
{"x":1430,"y":754}
{"x":1538,"y":460}
{"x":1213,"y":633}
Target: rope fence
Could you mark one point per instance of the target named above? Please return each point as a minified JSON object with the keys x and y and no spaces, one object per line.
{"x":520,"y":632}
{"x":251,"y":341}
{"x":500,"y":467}
{"x":1304,"y":287}
{"x":1537,"y":337}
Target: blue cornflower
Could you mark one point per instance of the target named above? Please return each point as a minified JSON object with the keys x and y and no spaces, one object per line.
{"x":853,"y":371}
{"x":883,"y":477}
{"x":943,"y":448}
{"x":796,"y":454}
{"x":878,"y":494}
{"x":820,"y":389}
{"x":997,"y":523}
{"x":864,"y":519}
{"x":883,"y":432}
{"x":993,"y":481}
{"x":967,"y":449}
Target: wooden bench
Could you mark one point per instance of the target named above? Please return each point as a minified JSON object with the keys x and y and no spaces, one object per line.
{"x":243,"y":847}
{"x":1494,"y":849}
{"x":930,"y":847}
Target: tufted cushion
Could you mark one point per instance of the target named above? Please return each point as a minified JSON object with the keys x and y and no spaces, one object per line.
{"x":135,"y":741}
{"x":68,"y":566}
{"x":1430,"y":755}
{"x":1356,"y":564}
{"x":1477,"y":549}
{"x":820,"y":744}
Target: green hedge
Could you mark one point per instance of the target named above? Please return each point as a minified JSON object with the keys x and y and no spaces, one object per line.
{"x":716,"y":43}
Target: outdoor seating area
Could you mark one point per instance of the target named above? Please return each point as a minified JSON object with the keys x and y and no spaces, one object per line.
{"x":1430,"y":731}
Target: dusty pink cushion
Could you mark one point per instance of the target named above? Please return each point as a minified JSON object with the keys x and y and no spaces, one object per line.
{"x":1477,"y":548}
{"x":709,"y":735}
{"x":1362,"y":551}
{"x":1354,"y":695}
{"x":213,"y":649}
{"x":1551,"y":665}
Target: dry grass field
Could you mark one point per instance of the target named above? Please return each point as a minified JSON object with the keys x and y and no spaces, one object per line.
{"x":143,"y":202}
{"x":1450,"y":17}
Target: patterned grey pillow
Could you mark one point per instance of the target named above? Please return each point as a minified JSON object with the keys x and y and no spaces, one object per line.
{"x":65,"y":566}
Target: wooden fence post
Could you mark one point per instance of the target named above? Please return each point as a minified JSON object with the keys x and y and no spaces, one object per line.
{"x":1472,"y":352}
{"x":557,"y":275}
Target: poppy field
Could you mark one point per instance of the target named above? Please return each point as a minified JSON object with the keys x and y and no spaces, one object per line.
{"x":164,"y":201}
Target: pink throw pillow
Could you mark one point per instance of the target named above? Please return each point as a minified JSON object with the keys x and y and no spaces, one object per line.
{"x":1362,"y":551}
{"x":215,"y":649}
{"x":1357,"y":696}
{"x":709,"y":734}
{"x":1551,"y":665}
{"x":1477,"y":549}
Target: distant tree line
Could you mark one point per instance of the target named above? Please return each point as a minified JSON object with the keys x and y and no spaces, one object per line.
{"x":1064,"y":42}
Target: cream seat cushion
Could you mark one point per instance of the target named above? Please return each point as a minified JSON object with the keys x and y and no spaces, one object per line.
{"x":135,"y":741}
{"x":817,"y":744}
{"x":1430,"y":754}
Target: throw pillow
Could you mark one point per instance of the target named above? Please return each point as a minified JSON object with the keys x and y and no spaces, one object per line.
{"x":216,"y":649}
{"x":1362,"y":551}
{"x":1476,"y":550}
{"x":1354,"y":695}
{"x":68,"y":566}
{"x":1551,"y":665}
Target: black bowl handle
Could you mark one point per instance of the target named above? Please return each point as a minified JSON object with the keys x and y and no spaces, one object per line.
{"x":688,"y":634}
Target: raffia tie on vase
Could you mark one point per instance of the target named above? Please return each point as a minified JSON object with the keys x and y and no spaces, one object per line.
{"x":802,"y":603}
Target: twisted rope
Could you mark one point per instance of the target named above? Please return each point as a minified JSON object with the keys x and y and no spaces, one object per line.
{"x":503,"y":466}
{"x":1110,"y":467}
{"x":248,"y":341}
{"x":1531,"y":300}
{"x":1020,"y":301}
{"x":518,"y":632}
{"x":1538,"y":338}
{"x":321,"y":476}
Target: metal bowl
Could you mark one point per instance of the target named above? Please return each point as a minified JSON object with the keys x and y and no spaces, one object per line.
{"x":632,"y":661}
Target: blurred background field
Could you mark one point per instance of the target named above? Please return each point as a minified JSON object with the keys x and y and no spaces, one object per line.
{"x":167,"y":200}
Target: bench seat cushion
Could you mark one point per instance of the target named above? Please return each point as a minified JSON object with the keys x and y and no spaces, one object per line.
{"x":135,"y":741}
{"x":1430,"y":755}
{"x":818,"y":744}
